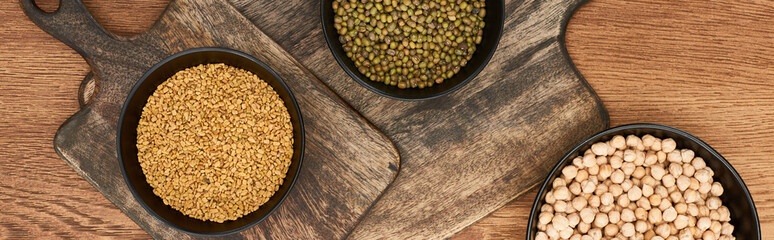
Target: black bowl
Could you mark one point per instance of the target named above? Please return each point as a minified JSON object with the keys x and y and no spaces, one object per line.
{"x":127,"y":139}
{"x":484,"y":51}
{"x":736,"y":197}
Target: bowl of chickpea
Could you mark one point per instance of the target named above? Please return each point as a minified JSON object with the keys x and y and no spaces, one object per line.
{"x":643,"y":181}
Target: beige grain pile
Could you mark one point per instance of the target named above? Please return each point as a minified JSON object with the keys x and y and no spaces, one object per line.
{"x":635,"y":188}
{"x":215,"y":142}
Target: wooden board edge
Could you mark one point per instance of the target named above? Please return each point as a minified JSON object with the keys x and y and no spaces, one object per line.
{"x":567,"y":15}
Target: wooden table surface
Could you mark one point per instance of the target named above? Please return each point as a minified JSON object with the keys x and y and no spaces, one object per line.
{"x":706,"y":67}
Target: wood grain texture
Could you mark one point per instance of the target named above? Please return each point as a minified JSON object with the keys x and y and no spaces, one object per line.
{"x":339,"y":179}
{"x":40,"y":196}
{"x":39,"y":77}
{"x":703,"y":66}
{"x":468,"y":153}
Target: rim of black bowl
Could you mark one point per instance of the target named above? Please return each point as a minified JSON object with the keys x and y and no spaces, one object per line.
{"x":134,"y":90}
{"x":365,"y":83}
{"x":571,"y":153}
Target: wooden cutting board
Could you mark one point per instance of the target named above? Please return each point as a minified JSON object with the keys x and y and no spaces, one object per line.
{"x":348,"y":163}
{"x":469,"y":153}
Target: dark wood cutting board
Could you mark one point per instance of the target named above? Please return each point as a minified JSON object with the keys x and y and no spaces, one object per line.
{"x":469,"y":153}
{"x":348,"y":163}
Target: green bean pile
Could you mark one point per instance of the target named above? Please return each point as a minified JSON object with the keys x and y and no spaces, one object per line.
{"x":409,"y":43}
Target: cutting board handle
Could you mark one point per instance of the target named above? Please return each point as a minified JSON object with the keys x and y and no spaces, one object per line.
{"x":71,"y":23}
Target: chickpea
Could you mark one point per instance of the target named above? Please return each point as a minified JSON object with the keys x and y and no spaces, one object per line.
{"x":648,"y":140}
{"x":587,"y":215}
{"x":639,"y":159}
{"x":674,"y":157}
{"x":641,"y":214}
{"x":616,"y":162}
{"x":575,"y":188}
{"x":547,"y":208}
{"x":570,"y":172}
{"x":627,"y":215}
{"x":632,"y":141}
{"x":695,"y":184}
{"x":716,"y":227}
{"x":708,"y":235}
{"x":614,"y":216}
{"x":641,"y":226}
{"x":573,"y":220}
{"x":595,"y":233}
{"x":618,"y":153}
{"x":551,"y":232}
{"x":698,"y":163}
{"x":647,"y":190}
{"x":594,"y":201}
{"x":600,"y":220}
{"x":727,"y":229}
{"x":605,"y":171}
{"x":661,"y":156}
{"x":628,"y":229}
{"x":681,"y":221}
{"x":683,"y":182}
{"x":691,"y":196}
{"x":657,"y":172}
{"x":676,"y":196}
{"x":654,"y":216}
{"x":665,"y":204}
{"x":617,"y":176}
{"x":628,"y":168}
{"x":562,"y":193}
{"x":714,"y":203}
{"x":545,"y":218}
{"x":588,"y":186}
{"x":584,"y":227}
{"x":629,"y":155}
{"x":687,"y":155}
{"x":602,"y":188}
{"x":663,"y":230}
{"x":582,"y":175}
{"x":589,"y":160}
{"x":611,"y":230}
{"x":541,"y":236}
{"x":644,"y":203}
{"x":668,"y":145}
{"x":676,"y":170}
{"x":566,"y":233}
{"x":716,"y":189}
{"x":656,"y":146}
{"x":623,"y":200}
{"x":650,"y":158}
{"x":560,"y":206}
{"x":639,"y":172}
{"x":578,"y":162}
{"x":618,"y":142}
{"x":693,"y":210}
{"x":670,"y":214}
{"x":724,"y":214}
{"x":616,"y":190}
{"x":655,"y":200}
{"x":550,"y":199}
{"x":600,"y":148}
{"x":681,"y":208}
{"x":688,"y":170}
{"x":703,"y":175}
{"x":668,"y":180}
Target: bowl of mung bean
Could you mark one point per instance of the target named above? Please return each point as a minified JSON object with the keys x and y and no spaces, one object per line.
{"x":643,"y":181}
{"x":412,"y":49}
{"x":210,"y":141}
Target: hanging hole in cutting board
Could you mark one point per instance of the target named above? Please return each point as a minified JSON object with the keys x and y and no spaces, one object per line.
{"x":48,"y":6}
{"x":125,"y":18}
{"x":88,"y":89}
